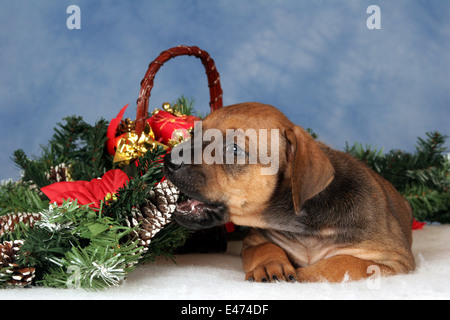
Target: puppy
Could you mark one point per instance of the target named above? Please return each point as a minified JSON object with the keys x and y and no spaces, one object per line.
{"x":320,"y":216}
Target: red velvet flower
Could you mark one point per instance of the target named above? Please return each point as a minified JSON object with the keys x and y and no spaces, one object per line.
{"x":87,"y":192}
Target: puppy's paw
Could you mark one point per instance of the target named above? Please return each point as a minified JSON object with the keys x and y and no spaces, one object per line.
{"x":272,"y":272}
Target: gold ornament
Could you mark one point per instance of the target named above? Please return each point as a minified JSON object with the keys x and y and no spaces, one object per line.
{"x":179,"y":136}
{"x":167,"y":107}
{"x":131,"y":146}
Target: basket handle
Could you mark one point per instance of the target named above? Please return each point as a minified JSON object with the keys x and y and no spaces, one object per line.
{"x":215,"y":90}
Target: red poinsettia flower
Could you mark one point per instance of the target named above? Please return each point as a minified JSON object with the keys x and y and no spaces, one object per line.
{"x":111,"y":132}
{"x":417,"y":225}
{"x":87,"y":192}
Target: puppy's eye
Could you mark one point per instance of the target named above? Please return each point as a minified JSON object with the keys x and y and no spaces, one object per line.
{"x":235,"y":150}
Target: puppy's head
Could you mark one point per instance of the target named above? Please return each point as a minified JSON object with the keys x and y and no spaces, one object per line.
{"x":239,"y":161}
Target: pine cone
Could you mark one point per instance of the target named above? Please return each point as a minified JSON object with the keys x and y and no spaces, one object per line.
{"x":125,"y":126}
{"x":154,"y":213}
{"x":8,"y":222}
{"x":18,"y":275}
{"x":165,"y":196}
{"x":59,"y":173}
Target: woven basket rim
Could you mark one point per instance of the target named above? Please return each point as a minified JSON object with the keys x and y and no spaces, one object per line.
{"x":215,"y":89}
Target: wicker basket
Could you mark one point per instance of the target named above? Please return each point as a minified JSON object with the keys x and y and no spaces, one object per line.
{"x":215,"y":239}
{"x":215,"y":90}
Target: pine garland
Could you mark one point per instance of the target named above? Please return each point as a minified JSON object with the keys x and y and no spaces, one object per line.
{"x":100,"y":251}
{"x":72,"y":245}
{"x":76,"y":246}
{"x":75,"y":143}
{"x":422,"y":177}
{"x":20,"y":197}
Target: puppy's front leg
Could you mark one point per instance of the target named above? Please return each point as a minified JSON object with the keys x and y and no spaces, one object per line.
{"x":267,"y":262}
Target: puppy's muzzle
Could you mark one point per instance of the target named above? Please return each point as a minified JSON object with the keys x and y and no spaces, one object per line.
{"x":195,"y":211}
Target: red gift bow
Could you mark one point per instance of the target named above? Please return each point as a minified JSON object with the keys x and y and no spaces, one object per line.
{"x":164,"y":124}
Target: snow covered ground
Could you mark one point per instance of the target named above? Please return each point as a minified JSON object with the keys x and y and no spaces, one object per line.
{"x":220,"y":276}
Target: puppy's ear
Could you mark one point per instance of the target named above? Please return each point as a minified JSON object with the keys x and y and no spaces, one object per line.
{"x":310,"y":170}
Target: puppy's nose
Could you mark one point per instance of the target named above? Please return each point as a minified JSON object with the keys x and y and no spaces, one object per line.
{"x":170,"y":165}
{"x":174,"y":166}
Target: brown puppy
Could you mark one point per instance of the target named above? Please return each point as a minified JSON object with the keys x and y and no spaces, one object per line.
{"x":320,"y":215}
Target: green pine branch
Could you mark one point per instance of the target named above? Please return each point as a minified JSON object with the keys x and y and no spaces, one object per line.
{"x":171,"y":237}
{"x":370,"y":156}
{"x":422,"y":177}
{"x":143,"y":178}
{"x":73,"y":236}
{"x":74,"y":143}
{"x":184,"y":105}
{"x":33,"y":170}
{"x":91,"y":159}
{"x":428,"y":204}
{"x":92,"y":268}
{"x":17,"y":197}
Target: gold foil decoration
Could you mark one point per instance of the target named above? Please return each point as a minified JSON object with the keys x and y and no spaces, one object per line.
{"x":167,"y":107}
{"x":179,"y":136}
{"x":131,"y":146}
